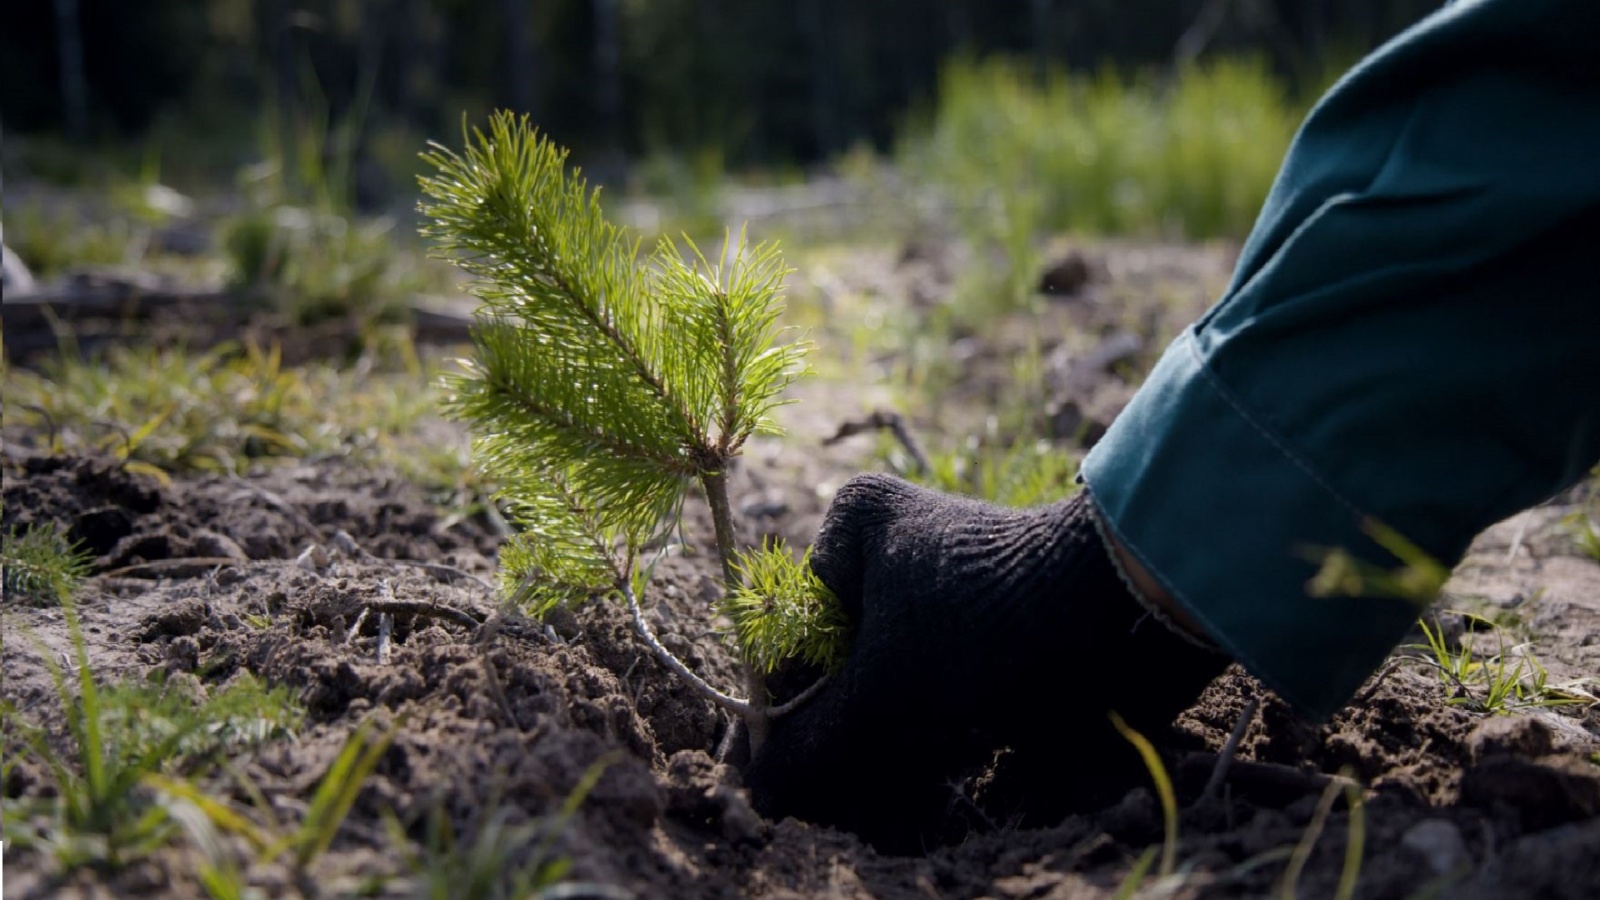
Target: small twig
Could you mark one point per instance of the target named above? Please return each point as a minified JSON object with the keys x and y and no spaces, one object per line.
{"x":1230,"y":748}
{"x":179,"y":567}
{"x":790,"y":705}
{"x":385,"y":632}
{"x":742,"y":708}
{"x":729,"y":735}
{"x":356,"y":628}
{"x":884,"y":420}
{"x":1522,"y":532}
{"x":448,"y":574}
{"x":419,"y":608}
{"x":1377,"y":681}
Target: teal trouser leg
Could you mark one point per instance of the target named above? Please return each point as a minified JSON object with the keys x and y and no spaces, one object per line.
{"x":1412,"y":336}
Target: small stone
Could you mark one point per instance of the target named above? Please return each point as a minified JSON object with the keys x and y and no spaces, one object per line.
{"x":177,"y":620}
{"x":1510,"y":736}
{"x":217,"y":545}
{"x":313,"y":558}
{"x":1439,"y":842}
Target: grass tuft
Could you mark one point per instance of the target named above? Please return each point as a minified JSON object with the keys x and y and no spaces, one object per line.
{"x":103,"y":811}
{"x":1022,"y":473}
{"x":1508,"y":680}
{"x":170,"y":410}
{"x":1107,"y":153}
{"x":41,"y":567}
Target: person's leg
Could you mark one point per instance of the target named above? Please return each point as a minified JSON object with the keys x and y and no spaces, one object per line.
{"x":1412,"y":337}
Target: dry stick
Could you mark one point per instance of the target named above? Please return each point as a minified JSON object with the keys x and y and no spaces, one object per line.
{"x":419,"y":608}
{"x":385,"y":624}
{"x":177,"y":567}
{"x":1230,"y":748}
{"x":884,"y":420}
{"x":1377,"y":681}
{"x":743,"y":708}
{"x":729,"y":735}
{"x":385,"y":632}
{"x":1522,"y":532}
{"x":356,"y":628}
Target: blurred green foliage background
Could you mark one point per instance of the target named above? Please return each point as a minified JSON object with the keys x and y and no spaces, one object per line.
{"x":741,"y":83}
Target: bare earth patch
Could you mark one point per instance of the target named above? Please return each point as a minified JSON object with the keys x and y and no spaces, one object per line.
{"x":198,"y":579}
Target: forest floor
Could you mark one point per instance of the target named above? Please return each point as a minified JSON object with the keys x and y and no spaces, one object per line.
{"x":493,"y":721}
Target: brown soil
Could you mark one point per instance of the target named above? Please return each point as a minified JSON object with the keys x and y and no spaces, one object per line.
{"x":198,"y":579}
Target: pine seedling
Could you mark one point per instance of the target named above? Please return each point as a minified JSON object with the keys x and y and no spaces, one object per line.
{"x":603,"y":387}
{"x":41,"y":567}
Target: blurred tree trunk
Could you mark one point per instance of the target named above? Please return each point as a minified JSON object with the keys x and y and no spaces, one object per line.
{"x":611,"y":166}
{"x":521,"y":59}
{"x":69,"y":40}
{"x":276,"y":24}
{"x":1040,"y":10}
{"x":824,"y":116}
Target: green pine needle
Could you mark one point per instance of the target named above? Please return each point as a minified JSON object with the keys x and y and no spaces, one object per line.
{"x":784,"y":612}
{"x":602,"y":386}
{"x":41,"y":566}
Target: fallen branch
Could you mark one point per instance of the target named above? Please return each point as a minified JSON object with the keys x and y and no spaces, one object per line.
{"x":1267,"y":784}
{"x":884,"y":420}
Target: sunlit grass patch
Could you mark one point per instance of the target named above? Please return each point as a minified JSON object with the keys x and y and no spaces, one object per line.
{"x":100,"y":810}
{"x":315,"y":265}
{"x":1021,"y":473}
{"x":1504,"y":680}
{"x":1108,"y":153}
{"x":41,"y":566}
{"x":51,"y":242}
{"x":169,"y":410}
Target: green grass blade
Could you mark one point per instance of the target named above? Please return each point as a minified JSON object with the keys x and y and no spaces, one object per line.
{"x":1169,"y":799}
{"x":338,"y":790}
{"x":1355,"y":844}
